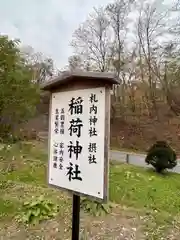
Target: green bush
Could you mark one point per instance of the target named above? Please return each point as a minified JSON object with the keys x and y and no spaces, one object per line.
{"x":161,"y":156}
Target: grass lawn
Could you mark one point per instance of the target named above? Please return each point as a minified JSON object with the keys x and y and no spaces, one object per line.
{"x":145,"y":205}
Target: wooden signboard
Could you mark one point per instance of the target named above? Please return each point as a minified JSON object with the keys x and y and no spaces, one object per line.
{"x":79,"y":133}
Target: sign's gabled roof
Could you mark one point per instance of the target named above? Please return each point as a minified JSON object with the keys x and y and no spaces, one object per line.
{"x":68,"y":76}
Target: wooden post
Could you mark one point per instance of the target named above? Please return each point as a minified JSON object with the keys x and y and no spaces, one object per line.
{"x":75,"y":217}
{"x":127,"y":158}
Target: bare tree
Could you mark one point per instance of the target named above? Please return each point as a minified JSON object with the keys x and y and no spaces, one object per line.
{"x":170,"y":77}
{"x":75,"y":62}
{"x":151,"y":25}
{"x":92,"y":40}
{"x":101,"y":39}
{"x":101,"y":43}
{"x":118,"y":13}
{"x":41,"y":66}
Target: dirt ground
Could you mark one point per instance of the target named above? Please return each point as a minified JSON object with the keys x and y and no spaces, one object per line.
{"x":120,"y":224}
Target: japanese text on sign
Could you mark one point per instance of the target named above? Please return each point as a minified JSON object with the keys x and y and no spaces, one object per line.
{"x":77,"y":141}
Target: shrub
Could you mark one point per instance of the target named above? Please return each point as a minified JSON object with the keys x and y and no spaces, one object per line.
{"x":161,"y":156}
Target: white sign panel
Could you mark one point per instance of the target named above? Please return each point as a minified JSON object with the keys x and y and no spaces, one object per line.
{"x":76,"y":158}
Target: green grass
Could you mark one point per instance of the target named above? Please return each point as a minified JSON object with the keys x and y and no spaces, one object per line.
{"x":7,"y":208}
{"x":29,"y":160}
{"x":158,"y":196}
{"x":33,"y":173}
{"x":142,"y":188}
{"x":129,"y":185}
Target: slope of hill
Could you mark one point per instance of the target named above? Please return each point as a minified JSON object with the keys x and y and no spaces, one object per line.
{"x":138,"y":133}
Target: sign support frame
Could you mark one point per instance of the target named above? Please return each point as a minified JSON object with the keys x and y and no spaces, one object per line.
{"x":70,"y":81}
